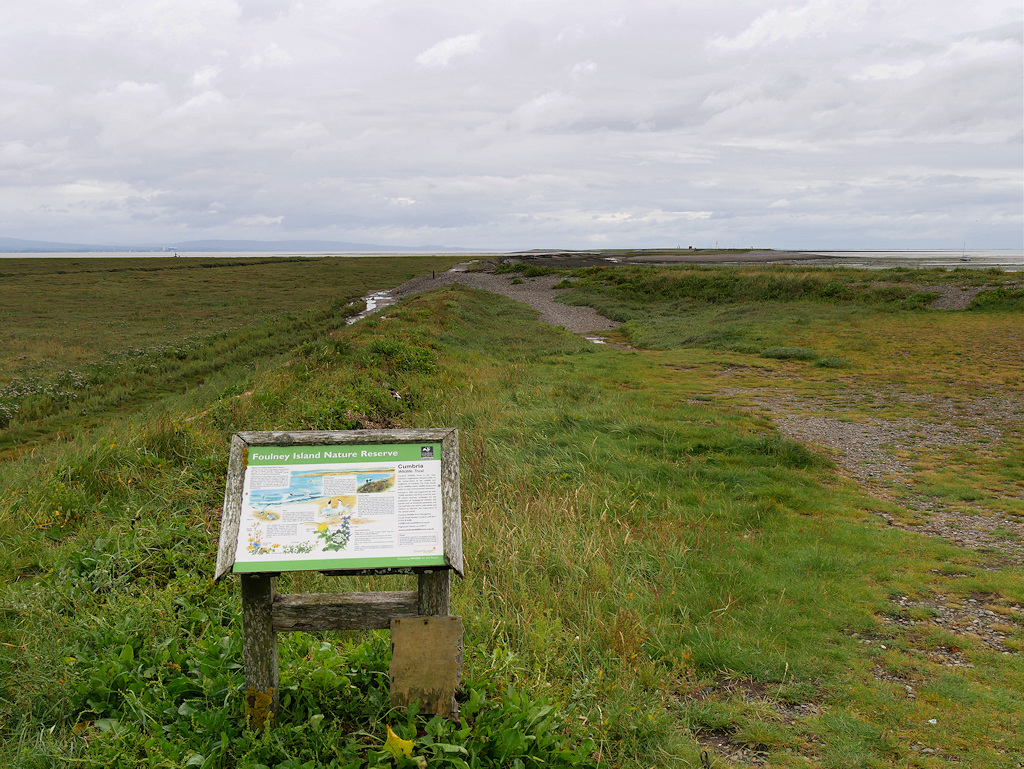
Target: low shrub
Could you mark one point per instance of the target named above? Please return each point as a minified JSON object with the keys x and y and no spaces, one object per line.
{"x":999,"y":299}
{"x":832,"y":361}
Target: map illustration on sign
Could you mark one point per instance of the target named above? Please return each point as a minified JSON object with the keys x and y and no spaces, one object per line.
{"x":341,"y":507}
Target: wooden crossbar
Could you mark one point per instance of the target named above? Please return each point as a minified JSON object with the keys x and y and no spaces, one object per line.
{"x":342,"y":611}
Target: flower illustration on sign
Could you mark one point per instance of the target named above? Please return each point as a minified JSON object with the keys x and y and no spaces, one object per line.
{"x":256,"y":545}
{"x":338,"y":538}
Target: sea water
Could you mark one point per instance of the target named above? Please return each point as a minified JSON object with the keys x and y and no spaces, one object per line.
{"x":1004,"y":259}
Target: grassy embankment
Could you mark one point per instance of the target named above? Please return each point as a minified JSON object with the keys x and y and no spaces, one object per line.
{"x":87,"y":338}
{"x":663,"y":568}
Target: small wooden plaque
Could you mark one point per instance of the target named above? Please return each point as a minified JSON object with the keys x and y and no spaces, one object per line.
{"x":426,"y":663}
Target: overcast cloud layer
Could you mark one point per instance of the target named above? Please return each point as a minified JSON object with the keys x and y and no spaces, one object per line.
{"x":515,"y":124}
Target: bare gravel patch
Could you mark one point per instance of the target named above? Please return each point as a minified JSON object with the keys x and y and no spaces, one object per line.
{"x":949,"y":297}
{"x":952,"y":297}
{"x":986,"y":619}
{"x":873,"y":451}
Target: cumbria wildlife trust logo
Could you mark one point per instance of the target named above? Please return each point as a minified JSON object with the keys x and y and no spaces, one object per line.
{"x":426,"y":452}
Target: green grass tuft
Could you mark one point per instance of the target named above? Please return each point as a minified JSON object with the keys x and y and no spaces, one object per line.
{"x":831,"y":361}
{"x":789,"y":353}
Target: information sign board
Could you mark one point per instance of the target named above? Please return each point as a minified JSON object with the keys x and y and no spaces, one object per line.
{"x":348,"y":503}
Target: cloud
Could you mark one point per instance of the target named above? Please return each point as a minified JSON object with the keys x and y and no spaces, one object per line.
{"x":957,"y":57}
{"x":547,"y":111}
{"x":263,"y":10}
{"x":92,"y":190}
{"x":890,"y":71}
{"x":441,"y":54}
{"x":628,"y":220}
{"x":204,"y":76}
{"x":271,"y":56}
{"x":816,"y":18}
{"x":674,"y":155}
{"x":583,"y":68}
{"x":542,"y":125}
{"x":257,"y":220}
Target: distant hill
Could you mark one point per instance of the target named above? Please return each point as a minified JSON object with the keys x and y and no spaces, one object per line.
{"x":296,"y":245}
{"x":20,"y":246}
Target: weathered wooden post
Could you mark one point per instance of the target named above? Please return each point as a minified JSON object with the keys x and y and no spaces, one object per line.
{"x":434,"y":593}
{"x":259,"y":649}
{"x":345,"y":503}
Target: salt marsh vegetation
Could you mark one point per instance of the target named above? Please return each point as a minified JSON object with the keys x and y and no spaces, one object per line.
{"x":658,"y":561}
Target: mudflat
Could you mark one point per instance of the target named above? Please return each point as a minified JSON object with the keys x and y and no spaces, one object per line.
{"x":661,"y":256}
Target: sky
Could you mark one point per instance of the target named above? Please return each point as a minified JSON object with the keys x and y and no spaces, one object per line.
{"x":820,"y":124}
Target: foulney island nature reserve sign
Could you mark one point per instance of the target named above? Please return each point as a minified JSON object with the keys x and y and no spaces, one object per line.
{"x":356,"y":505}
{"x":341,"y":507}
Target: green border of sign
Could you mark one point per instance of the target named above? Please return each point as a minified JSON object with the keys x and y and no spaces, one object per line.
{"x":334,"y":564}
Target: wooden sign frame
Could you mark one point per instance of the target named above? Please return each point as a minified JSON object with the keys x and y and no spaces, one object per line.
{"x":265,"y":613}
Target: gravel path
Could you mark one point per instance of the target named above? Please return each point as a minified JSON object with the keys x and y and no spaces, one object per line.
{"x":536,"y":292}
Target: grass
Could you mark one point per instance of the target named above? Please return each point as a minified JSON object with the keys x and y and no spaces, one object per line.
{"x":63,"y":313}
{"x":649,"y":570}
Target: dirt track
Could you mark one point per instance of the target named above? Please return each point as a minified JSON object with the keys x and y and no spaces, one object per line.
{"x":536,"y":292}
